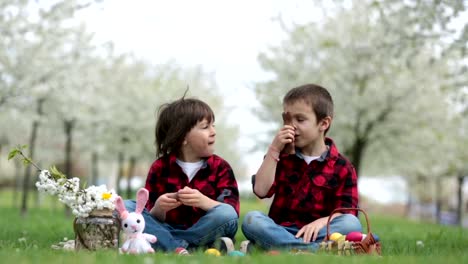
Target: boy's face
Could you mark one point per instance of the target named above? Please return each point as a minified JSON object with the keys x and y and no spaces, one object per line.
{"x":308,"y":131}
{"x":199,"y":142}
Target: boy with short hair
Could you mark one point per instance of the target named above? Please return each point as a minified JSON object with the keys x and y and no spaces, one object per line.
{"x":307,"y":185}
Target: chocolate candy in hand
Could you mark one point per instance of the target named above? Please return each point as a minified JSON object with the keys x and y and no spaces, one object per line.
{"x":287,"y":120}
{"x":175,"y":196}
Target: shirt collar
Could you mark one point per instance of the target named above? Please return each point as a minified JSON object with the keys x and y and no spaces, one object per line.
{"x":331,"y":152}
{"x":206,"y":162}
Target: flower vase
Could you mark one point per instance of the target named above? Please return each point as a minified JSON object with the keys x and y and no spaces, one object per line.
{"x":100,"y":230}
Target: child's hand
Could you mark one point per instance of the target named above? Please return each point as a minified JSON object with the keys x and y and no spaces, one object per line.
{"x":167,"y":202}
{"x":192,"y":197}
{"x":288,"y":120}
{"x":283,"y":137}
{"x":310,"y":231}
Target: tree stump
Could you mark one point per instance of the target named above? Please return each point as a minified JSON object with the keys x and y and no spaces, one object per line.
{"x":100,"y":230}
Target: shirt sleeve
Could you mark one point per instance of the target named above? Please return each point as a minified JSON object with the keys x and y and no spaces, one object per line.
{"x":270,"y":192}
{"x":151,"y":185}
{"x":228,"y":185}
{"x":347,"y":192}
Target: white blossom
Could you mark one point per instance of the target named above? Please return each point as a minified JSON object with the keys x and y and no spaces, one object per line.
{"x":81,"y":201}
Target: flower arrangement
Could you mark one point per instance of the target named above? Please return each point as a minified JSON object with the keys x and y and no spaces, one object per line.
{"x":82,"y":201}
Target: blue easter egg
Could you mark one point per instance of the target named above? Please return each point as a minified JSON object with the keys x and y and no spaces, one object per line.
{"x":236,"y":253}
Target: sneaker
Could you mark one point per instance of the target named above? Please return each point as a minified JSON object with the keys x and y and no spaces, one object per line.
{"x":224,"y":245}
{"x":181,"y":251}
{"x":246,"y":247}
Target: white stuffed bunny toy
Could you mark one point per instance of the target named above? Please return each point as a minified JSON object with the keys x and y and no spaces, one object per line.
{"x":133,"y":224}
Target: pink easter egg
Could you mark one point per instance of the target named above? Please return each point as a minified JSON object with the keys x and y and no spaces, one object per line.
{"x":354,"y":236}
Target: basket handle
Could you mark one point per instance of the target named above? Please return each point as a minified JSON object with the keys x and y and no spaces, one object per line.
{"x":337,"y":210}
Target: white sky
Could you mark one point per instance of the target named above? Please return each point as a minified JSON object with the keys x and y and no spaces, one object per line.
{"x":224,"y":37}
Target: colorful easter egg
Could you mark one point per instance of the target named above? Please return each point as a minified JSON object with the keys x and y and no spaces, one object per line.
{"x":376,"y":237}
{"x":213,"y":252}
{"x":335,"y":236}
{"x":354,"y":236}
{"x":273,"y":252}
{"x":236,"y":253}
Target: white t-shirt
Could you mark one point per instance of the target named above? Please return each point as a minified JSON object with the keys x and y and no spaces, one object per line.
{"x":309,"y":159}
{"x":190,"y":168}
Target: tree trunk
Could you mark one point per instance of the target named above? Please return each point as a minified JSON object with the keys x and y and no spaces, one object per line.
{"x":94,"y":168}
{"x":121,"y":160}
{"x":357,"y":152}
{"x":98,"y":231}
{"x":32,"y":145}
{"x":438,"y":207}
{"x":120,"y":172}
{"x":131,"y":173}
{"x":460,"y":180}
{"x":68,"y":127}
{"x":17,"y":188}
{"x":409,"y":203}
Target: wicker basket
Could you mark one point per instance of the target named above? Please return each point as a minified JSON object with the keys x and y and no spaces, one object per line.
{"x":369,"y":245}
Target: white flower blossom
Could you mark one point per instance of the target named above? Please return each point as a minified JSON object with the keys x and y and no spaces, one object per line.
{"x":81,"y":201}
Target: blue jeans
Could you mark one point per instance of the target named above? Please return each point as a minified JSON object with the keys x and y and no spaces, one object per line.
{"x":264,"y":232}
{"x":219,"y":221}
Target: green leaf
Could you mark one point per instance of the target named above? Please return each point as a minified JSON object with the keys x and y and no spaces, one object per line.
{"x":26,"y":162}
{"x":13,"y":153}
{"x":56,"y":173}
{"x":83,"y":185}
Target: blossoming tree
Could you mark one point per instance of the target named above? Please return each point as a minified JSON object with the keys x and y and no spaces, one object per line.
{"x":386,"y":74}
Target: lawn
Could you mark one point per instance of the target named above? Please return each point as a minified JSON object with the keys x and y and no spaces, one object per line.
{"x":28,"y":240}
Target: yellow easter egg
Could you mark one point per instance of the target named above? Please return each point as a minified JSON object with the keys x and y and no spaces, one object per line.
{"x":213,"y":252}
{"x":341,"y":238}
{"x":335,"y":236}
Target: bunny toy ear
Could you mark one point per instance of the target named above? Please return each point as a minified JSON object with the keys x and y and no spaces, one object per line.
{"x":142,"y":198}
{"x":120,"y":206}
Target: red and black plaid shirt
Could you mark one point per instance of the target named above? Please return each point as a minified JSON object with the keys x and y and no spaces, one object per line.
{"x":215,"y":179}
{"x":305,"y":192}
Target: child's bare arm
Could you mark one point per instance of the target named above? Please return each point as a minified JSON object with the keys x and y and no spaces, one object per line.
{"x":266,"y":173}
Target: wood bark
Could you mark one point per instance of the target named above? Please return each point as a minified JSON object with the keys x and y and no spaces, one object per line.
{"x":98,"y":231}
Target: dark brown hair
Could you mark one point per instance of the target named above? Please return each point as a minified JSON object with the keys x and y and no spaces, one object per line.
{"x":315,"y":96}
{"x":175,"y":120}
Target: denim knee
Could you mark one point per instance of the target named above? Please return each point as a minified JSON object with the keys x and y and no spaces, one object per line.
{"x":346,"y":223}
{"x":226,"y":216}
{"x":249,"y":219}
{"x":223,"y":213}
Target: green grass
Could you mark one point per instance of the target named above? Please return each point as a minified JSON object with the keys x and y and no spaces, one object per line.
{"x":28,"y":240}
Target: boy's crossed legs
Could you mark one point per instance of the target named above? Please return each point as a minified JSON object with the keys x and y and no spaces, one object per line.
{"x":264,"y":232}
